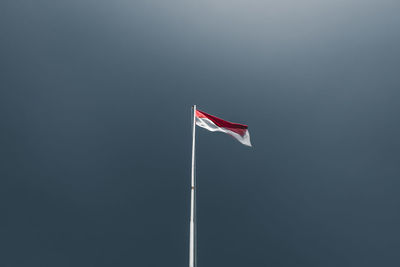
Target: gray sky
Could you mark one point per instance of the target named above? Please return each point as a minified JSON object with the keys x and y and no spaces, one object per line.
{"x":95,"y":132}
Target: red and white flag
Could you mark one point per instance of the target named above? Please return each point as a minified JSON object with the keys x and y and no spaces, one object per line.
{"x":214,"y":124}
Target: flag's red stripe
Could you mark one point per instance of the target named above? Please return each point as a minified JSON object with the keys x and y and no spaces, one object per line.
{"x":234,"y":127}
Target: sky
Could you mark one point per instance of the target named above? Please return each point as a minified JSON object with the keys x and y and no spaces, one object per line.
{"x":95,"y":134}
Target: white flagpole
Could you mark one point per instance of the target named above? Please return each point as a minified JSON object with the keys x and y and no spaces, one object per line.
{"x":192,"y":245}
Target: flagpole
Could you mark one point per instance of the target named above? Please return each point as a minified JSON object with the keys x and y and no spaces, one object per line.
{"x":192,"y":244}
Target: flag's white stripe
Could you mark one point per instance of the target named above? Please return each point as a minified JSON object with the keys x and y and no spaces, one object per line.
{"x":209,"y":125}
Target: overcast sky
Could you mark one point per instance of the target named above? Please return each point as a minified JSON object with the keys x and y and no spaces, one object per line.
{"x":95,"y":102}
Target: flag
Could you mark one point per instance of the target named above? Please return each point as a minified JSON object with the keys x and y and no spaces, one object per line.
{"x":214,"y":124}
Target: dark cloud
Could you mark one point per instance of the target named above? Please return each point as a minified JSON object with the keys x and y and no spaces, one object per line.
{"x":95,"y":132}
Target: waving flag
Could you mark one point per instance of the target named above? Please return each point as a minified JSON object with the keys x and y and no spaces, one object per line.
{"x":214,"y":124}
